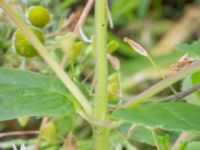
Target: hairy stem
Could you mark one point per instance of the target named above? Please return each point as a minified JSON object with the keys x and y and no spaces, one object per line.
{"x":61,"y":74}
{"x":100,"y":112}
{"x":156,"y":88}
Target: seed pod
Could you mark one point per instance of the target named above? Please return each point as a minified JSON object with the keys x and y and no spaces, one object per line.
{"x":48,"y":132}
{"x":135,"y":46}
{"x":23,"y":47}
{"x":113,"y":77}
{"x":113,"y":86}
{"x":113,"y":90}
{"x":38,"y":16}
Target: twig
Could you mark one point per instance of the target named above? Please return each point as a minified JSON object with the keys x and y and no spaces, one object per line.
{"x":156,"y":88}
{"x":63,"y":61}
{"x":182,"y":94}
{"x":83,"y":16}
{"x":18,"y":133}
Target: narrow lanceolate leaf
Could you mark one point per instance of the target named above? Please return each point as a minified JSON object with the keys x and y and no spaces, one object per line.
{"x":25,"y":93}
{"x":170,"y":116}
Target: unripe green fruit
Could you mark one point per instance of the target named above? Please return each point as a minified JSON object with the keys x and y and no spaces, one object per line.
{"x":23,"y":121}
{"x":114,"y":77}
{"x":113,"y":86}
{"x":112,"y":46}
{"x":113,"y":90}
{"x":38,"y":16}
{"x":48,"y":132}
{"x":23,"y":47}
{"x":73,"y":54}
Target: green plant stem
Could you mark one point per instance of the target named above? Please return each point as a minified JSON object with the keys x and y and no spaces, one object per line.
{"x":101,"y":133}
{"x":156,"y":88}
{"x":61,"y":74}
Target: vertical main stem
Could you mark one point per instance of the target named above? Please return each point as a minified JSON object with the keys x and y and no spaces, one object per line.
{"x":101,"y":133}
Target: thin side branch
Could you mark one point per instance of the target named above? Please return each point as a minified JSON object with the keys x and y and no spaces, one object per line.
{"x":16,"y":133}
{"x":83,"y":16}
{"x":181,"y":94}
{"x":156,"y":88}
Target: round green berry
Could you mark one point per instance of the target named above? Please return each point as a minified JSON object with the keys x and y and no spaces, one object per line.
{"x":38,"y":16}
{"x":23,"y":47}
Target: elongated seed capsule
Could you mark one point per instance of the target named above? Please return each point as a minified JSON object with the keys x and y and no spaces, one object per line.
{"x":135,"y":46}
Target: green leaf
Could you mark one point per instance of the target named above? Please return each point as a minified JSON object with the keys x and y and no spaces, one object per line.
{"x":195,"y":78}
{"x":193,"y":48}
{"x":25,"y":93}
{"x":143,"y":135}
{"x":170,"y":116}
